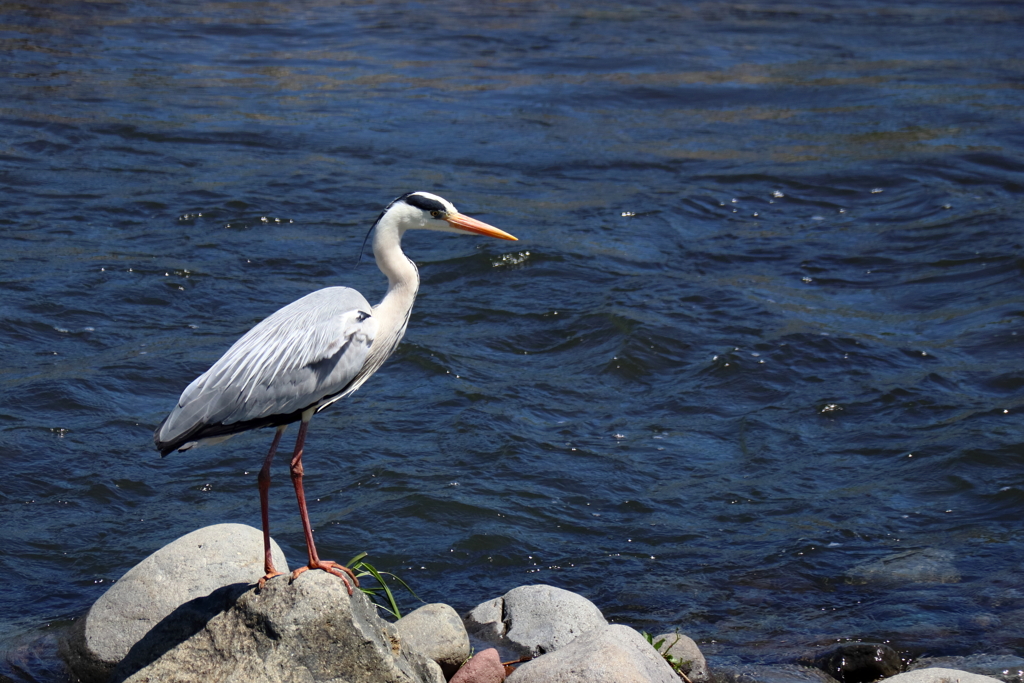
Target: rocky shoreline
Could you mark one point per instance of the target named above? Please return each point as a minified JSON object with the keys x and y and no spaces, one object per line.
{"x":191,"y":612}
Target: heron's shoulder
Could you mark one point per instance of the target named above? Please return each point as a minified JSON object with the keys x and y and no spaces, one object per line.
{"x":333,"y":298}
{"x":322,"y":305}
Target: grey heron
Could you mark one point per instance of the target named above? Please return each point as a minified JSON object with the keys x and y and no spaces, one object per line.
{"x":309,"y":354}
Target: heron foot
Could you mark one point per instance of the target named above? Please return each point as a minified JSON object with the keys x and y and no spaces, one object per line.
{"x":266,"y":577}
{"x":331,"y":568}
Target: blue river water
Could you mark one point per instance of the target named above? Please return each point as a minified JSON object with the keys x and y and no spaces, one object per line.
{"x":764,"y":323}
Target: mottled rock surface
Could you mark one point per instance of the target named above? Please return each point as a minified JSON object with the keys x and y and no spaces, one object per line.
{"x":938,"y":675}
{"x":532,"y":620}
{"x":436,"y":631}
{"x":684,"y":649}
{"x":1007,"y":668}
{"x":306,"y":630}
{"x":608,"y":654}
{"x":484,"y":667}
{"x":192,"y":567}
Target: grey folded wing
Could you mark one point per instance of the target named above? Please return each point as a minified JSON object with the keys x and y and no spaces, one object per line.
{"x":306,"y":352}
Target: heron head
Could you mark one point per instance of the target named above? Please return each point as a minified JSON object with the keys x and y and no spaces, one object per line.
{"x":426,"y":211}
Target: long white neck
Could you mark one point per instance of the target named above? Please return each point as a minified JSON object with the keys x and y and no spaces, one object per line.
{"x":403,"y":280}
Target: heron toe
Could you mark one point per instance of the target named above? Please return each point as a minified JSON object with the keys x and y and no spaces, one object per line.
{"x":331,"y":568}
{"x":266,"y":577}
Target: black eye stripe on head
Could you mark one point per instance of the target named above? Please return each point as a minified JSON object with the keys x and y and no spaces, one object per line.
{"x":425,"y":203}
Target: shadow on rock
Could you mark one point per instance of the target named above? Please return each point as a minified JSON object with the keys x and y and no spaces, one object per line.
{"x":176,"y":628}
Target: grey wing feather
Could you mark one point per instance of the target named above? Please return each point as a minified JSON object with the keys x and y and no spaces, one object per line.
{"x":307,"y":351}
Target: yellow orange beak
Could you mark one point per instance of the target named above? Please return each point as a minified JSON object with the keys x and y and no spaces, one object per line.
{"x":457,"y":220}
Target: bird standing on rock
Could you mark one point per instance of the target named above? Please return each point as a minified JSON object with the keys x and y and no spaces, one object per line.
{"x":308,"y":355}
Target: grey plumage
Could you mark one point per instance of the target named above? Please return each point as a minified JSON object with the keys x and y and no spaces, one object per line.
{"x":308,"y":353}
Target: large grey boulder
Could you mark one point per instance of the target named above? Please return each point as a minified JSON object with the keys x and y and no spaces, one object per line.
{"x":289,"y":632}
{"x":436,"y":631}
{"x":532,"y":620}
{"x":685,"y":650}
{"x":192,"y":567}
{"x":608,"y":654}
{"x":937,"y":675}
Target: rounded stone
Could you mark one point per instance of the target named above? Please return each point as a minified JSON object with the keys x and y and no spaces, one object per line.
{"x":436,"y":631}
{"x":191,"y":567}
{"x":533,"y":620}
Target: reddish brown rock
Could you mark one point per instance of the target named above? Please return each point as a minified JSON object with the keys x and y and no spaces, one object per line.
{"x":484,"y":667}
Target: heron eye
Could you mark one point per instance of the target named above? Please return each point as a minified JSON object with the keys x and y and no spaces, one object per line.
{"x":435,"y":213}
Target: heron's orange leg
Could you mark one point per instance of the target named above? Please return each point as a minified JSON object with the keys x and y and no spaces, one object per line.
{"x":263,"y":480}
{"x":315,"y":562}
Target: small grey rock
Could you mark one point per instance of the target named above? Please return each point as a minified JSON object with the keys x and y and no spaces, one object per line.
{"x":193,"y":566}
{"x":608,"y":654}
{"x":436,"y":631}
{"x":858,"y":662}
{"x":486,"y":620}
{"x":532,"y":620}
{"x":1007,"y":668}
{"x":780,"y":673}
{"x":684,"y":649}
{"x":937,"y":675}
{"x":913,"y":566}
{"x":309,"y":629}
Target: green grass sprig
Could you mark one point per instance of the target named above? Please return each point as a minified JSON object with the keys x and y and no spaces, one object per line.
{"x":381,"y":594}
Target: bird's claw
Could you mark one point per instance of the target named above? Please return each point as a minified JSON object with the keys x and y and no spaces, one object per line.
{"x":266,"y":577}
{"x":331,"y":568}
